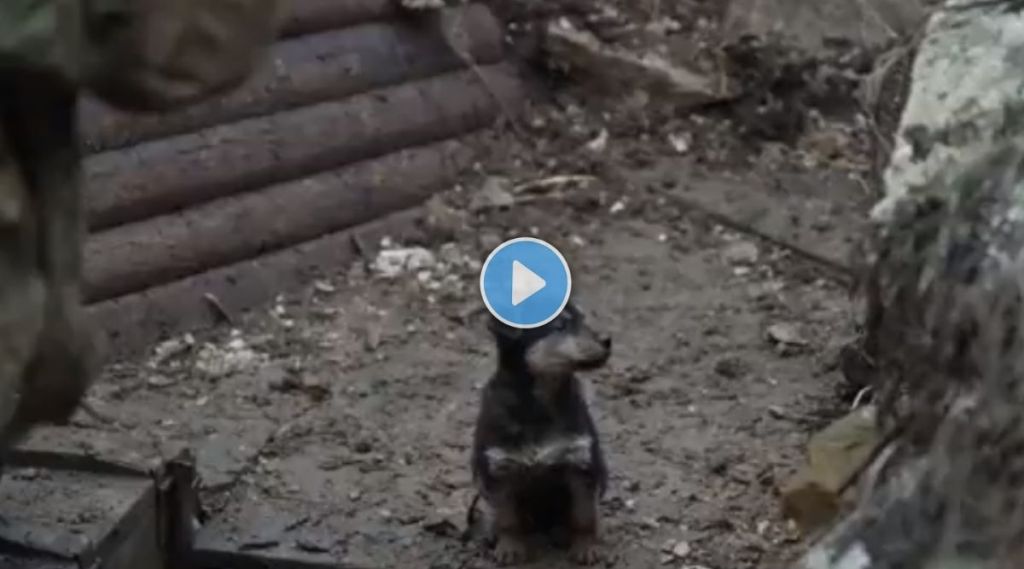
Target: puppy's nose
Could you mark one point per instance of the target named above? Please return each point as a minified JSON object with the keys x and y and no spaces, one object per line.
{"x":606,"y":341}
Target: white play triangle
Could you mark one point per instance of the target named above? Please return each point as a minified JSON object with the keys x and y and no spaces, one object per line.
{"x":525,"y":283}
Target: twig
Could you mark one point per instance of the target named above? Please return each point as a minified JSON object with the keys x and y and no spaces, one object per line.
{"x":218,"y":307}
{"x":847,"y":274}
{"x":543,"y":183}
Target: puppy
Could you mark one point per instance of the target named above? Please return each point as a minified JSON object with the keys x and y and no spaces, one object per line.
{"x":537,"y":460}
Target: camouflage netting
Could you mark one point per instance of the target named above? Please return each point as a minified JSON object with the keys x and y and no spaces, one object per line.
{"x":944,"y":291}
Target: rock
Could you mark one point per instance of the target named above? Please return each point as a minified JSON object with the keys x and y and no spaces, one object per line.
{"x":814,"y":27}
{"x":786,"y":334}
{"x":324,"y":287}
{"x":171,"y":348}
{"x":599,"y":143}
{"x":621,"y":69}
{"x":314,"y":543}
{"x":236,"y":356}
{"x":680,"y":142}
{"x":681,"y":549}
{"x":160,"y":381}
{"x":741,"y":253}
{"x":393,"y":262}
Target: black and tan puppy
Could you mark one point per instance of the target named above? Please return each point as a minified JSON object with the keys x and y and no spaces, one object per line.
{"x":537,"y":460}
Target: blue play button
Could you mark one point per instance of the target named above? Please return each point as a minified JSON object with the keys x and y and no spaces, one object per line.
{"x":525,"y":282}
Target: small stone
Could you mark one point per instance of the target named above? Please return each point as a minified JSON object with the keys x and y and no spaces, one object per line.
{"x":313,"y":544}
{"x":681,"y":549}
{"x":393,"y":262}
{"x":160,"y":381}
{"x":600,"y":142}
{"x":741,"y":253}
{"x":28,"y":474}
{"x":324,"y":286}
{"x":650,"y":523}
{"x":680,"y":142}
{"x":170,"y":348}
{"x":786,"y":333}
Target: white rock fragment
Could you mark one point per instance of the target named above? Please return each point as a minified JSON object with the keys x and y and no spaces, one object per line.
{"x":680,"y":142}
{"x":599,"y":143}
{"x":394,"y":262}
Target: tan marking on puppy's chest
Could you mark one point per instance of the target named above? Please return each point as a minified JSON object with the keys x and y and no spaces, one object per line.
{"x":572,"y":451}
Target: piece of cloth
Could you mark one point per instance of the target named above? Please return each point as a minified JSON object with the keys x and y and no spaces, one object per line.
{"x":141,"y":55}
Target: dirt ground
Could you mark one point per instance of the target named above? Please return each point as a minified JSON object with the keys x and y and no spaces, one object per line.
{"x":338,"y":421}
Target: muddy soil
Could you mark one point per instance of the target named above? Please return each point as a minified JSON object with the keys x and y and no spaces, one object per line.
{"x":338,"y":421}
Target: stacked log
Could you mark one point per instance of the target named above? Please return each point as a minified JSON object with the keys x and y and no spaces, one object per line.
{"x":356,"y":116}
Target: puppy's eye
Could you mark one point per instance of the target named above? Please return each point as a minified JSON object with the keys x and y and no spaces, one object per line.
{"x":560,"y":324}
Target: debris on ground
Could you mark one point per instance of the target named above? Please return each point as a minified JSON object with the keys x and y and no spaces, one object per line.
{"x":583,"y":51}
{"x":816,"y":27}
{"x":217,"y":361}
{"x":391,"y":263}
{"x":349,"y":406}
{"x":741,"y":253}
{"x":172,"y":348}
{"x":786,"y":335}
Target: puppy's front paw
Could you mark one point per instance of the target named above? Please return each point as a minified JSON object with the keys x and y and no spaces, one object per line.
{"x":585,"y":551}
{"x":510,"y":550}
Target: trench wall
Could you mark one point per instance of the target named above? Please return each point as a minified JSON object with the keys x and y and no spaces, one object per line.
{"x":357,"y":116}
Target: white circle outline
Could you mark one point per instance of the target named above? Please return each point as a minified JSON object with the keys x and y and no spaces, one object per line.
{"x":568,"y":282}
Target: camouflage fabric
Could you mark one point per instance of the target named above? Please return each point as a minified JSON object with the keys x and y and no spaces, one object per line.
{"x":136,"y":55}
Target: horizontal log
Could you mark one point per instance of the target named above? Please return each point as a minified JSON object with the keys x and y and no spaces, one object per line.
{"x":136,"y":256}
{"x":311,"y":16}
{"x":168,"y":174}
{"x":307,"y":70}
{"x":130,"y":324}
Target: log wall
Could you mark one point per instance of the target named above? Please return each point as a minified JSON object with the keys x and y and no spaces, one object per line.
{"x":356,"y":117}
